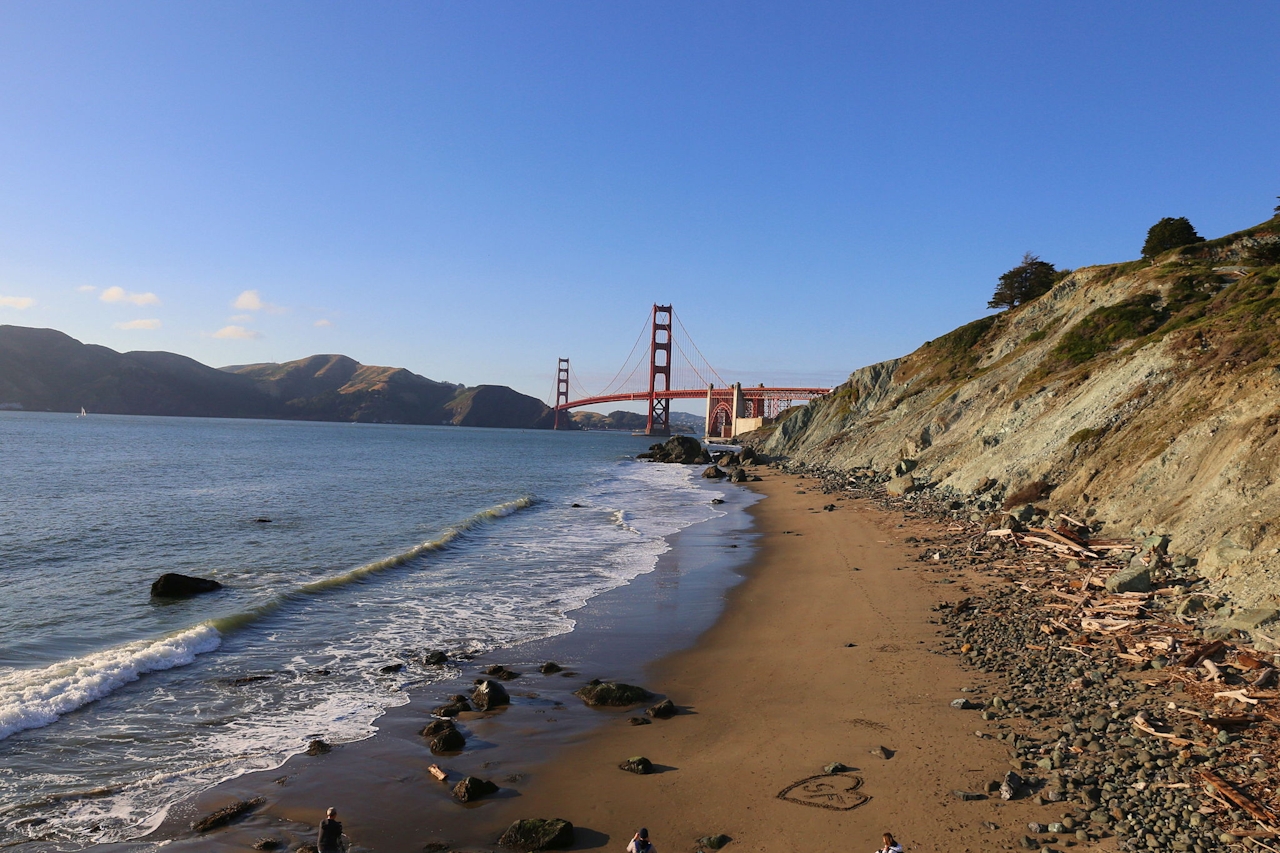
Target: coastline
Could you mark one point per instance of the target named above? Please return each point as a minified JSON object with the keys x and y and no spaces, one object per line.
{"x":381,"y":784}
{"x":827,"y":652}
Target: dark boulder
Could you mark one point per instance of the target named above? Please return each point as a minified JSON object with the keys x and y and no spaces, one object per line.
{"x":489,"y":695}
{"x":611,"y":693}
{"x":455,"y":706}
{"x":226,"y":815}
{"x":637,"y":764}
{"x":737,"y":475}
{"x":747,"y":455}
{"x":391,"y":668}
{"x":443,"y":736}
{"x":501,"y":673}
{"x":714,"y":842}
{"x":713,"y":473}
{"x":172,"y":585}
{"x":683,"y":449}
{"x":473,"y":788}
{"x":664,"y":710}
{"x":435,"y":658}
{"x":550,"y":667}
{"x":538,"y":834}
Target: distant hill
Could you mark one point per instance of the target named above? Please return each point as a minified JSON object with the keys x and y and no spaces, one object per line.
{"x":681,"y":422}
{"x":46,"y":370}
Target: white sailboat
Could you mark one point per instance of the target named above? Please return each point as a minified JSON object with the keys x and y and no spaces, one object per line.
{"x":83,"y":413}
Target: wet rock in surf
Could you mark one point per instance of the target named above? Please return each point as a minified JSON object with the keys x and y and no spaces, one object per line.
{"x":501,"y":673}
{"x":391,"y":668}
{"x":226,"y":815}
{"x":713,"y":473}
{"x":664,"y":710}
{"x":538,"y":834}
{"x":489,"y":695}
{"x":473,"y":788}
{"x":680,"y":449}
{"x":611,"y":693}
{"x":443,"y":736}
{"x":455,"y":706}
{"x":318,"y":747}
{"x":173,"y":585}
{"x":739,"y":476}
{"x":435,"y":658}
{"x":550,"y":667}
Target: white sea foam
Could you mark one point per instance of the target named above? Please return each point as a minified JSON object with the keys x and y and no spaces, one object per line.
{"x":31,"y":698}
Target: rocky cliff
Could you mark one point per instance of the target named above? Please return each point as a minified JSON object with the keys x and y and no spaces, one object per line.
{"x":1145,"y":395}
{"x":46,"y":370}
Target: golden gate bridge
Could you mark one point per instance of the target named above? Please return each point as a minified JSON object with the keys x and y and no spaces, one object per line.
{"x":732,"y":409}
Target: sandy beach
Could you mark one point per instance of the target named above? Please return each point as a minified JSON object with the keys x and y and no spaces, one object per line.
{"x":824,"y":655}
{"x":827,"y":652}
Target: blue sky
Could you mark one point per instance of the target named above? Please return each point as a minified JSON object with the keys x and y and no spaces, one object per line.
{"x":472,"y":190}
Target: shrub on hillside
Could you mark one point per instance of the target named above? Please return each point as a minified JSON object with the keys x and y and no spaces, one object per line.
{"x":1031,"y":278}
{"x":1169,"y":233}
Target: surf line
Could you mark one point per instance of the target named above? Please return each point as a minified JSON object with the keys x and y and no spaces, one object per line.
{"x":34,"y":698}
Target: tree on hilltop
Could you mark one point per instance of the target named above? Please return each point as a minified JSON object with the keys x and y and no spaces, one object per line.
{"x":1024,"y":282}
{"x":1169,"y":233}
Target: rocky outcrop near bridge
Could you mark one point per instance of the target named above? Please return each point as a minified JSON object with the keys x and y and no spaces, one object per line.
{"x":1142,"y":397}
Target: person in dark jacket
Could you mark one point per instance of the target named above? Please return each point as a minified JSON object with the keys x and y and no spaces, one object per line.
{"x":330,"y":840}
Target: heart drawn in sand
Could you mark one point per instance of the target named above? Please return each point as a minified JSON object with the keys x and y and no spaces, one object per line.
{"x":837,"y":791}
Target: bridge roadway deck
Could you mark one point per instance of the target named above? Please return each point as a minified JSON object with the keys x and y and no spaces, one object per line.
{"x":755,"y":393}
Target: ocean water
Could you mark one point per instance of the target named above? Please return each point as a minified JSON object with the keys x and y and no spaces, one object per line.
{"x":383,"y":542}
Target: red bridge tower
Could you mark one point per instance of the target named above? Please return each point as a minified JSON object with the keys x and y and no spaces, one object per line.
{"x":659,"y":422}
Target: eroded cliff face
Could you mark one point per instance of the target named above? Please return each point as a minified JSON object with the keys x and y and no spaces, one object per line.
{"x":1147,"y":393}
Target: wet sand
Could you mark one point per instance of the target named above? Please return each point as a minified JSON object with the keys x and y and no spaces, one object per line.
{"x":825,"y":653}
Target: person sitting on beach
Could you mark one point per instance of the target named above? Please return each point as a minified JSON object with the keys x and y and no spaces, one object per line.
{"x":640,"y":842}
{"x":330,"y":840}
{"x":890,"y":846}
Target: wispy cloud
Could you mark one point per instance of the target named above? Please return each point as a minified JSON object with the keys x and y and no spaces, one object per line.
{"x":251,"y":300}
{"x":86,"y":288}
{"x":139,"y":324}
{"x":119,"y":294}
{"x":237,"y":333}
{"x":241,"y":318}
{"x":19,"y":302}
{"x":323,"y":324}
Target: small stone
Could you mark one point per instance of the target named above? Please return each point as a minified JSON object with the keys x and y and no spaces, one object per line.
{"x":637,"y":764}
{"x":472,"y":788}
{"x":715,"y":842}
{"x":965,"y":705}
{"x":318,"y":747}
{"x":969,"y":796}
{"x":1133,"y":579}
{"x":664,"y":710}
{"x":836,"y":767}
{"x":881,"y":752}
{"x":550,"y":667}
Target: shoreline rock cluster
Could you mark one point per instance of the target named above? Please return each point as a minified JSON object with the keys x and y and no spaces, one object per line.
{"x":1134,"y":702}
